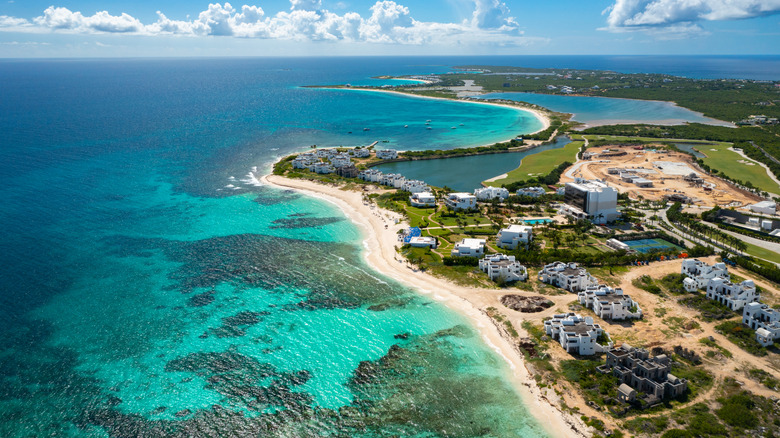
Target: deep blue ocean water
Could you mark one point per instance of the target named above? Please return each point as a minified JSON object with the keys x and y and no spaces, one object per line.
{"x":150,"y":287}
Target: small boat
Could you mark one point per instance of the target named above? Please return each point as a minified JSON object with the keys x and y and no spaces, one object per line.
{"x":429,"y":128}
{"x":461,"y":124}
{"x":453,"y":127}
{"x":428,"y":121}
{"x":366,"y":129}
{"x":406,"y":126}
{"x":350,"y":132}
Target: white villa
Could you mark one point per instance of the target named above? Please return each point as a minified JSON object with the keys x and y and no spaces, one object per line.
{"x":609,"y":303}
{"x":415,"y":186}
{"x":510,"y":238}
{"x":764,"y":207}
{"x":324,"y":168}
{"x":387,"y":154}
{"x":340,"y":160}
{"x":360,"y":152}
{"x":499,"y":266}
{"x":533,"y":192}
{"x":422,"y":242}
{"x":699,"y":273}
{"x":325,"y":153}
{"x":469,"y":248}
{"x":576,"y":334}
{"x":592,"y":200}
{"x":389,"y":179}
{"x":371,"y":175}
{"x":489,"y":193}
{"x":567,"y":276}
{"x":422,"y":199}
{"x":303,"y":161}
{"x":735,"y":296}
{"x":764,"y":320}
{"x":461,"y":201}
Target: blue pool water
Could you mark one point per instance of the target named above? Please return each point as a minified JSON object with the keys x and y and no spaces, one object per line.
{"x":537,"y":221}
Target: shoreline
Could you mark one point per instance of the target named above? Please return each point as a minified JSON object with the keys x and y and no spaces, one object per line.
{"x":539,"y":115}
{"x":379,"y":253}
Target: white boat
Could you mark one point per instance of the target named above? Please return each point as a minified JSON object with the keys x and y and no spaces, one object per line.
{"x":453,"y":127}
{"x":429,"y":128}
{"x":406,"y":126}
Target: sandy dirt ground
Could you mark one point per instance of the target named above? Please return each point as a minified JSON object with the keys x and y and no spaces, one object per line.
{"x":666,"y":181}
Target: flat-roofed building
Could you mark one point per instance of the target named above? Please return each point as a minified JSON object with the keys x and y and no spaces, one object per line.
{"x":502,"y":267}
{"x":387,"y":154}
{"x":422,"y":199}
{"x":490,"y":193}
{"x":735,"y":296}
{"x":764,"y":320}
{"x":461,"y":201}
{"x":423,"y":242}
{"x":648,"y":375}
{"x":701,"y":273}
{"x":610,"y":303}
{"x":514,"y":236}
{"x":576,"y":334}
{"x":469,"y":248}
{"x":594,"y":198}
{"x":568,"y":276}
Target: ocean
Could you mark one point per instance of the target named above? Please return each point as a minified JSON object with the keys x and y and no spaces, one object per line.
{"x":152,"y":287}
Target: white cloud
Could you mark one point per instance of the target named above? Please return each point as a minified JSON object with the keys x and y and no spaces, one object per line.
{"x":492,"y":14}
{"x":680,"y":16}
{"x":389,"y":22}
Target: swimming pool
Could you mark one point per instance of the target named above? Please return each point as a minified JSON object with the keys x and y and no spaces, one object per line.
{"x":537,"y":221}
{"x":650,"y":245}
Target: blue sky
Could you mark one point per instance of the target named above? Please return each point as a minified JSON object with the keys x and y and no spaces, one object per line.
{"x":86,"y":28}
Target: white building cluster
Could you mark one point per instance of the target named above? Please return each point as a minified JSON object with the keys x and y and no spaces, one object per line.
{"x":394,"y":180}
{"x":490,"y":193}
{"x":514,"y":236}
{"x":764,"y":320}
{"x":313,"y":161}
{"x":610,"y":303}
{"x":422,"y":199}
{"x":568,"y":276}
{"x":576,"y":334}
{"x":387,"y":154}
{"x":715,"y":280}
{"x":500,"y":266}
{"x":533,"y":192}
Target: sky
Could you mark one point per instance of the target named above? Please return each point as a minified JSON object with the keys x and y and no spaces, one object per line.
{"x":122,"y":28}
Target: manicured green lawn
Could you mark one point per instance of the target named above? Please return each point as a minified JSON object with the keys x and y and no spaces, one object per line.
{"x":763,"y":253}
{"x":540,"y":164}
{"x":726,"y":161}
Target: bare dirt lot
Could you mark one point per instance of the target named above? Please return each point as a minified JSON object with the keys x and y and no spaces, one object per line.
{"x":665,"y":173}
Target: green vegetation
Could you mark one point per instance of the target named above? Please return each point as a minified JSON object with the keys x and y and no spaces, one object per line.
{"x":732,"y":164}
{"x":462,"y":152}
{"x":710,"y":310}
{"x":744,"y":337}
{"x":765,"y":378}
{"x":712,"y":344}
{"x":539,"y":164}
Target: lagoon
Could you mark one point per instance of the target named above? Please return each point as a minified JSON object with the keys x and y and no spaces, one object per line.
{"x":465,"y":173}
{"x":595,"y":111}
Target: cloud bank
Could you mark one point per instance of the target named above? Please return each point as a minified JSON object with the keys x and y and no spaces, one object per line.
{"x":681,"y":16}
{"x":388,"y":22}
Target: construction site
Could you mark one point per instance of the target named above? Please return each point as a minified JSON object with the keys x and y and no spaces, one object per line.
{"x":657,"y":174}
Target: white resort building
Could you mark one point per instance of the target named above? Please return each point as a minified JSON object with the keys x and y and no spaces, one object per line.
{"x":499,"y":266}
{"x":764,"y":320}
{"x":490,"y":193}
{"x":592,"y":200}
{"x":699,"y":273}
{"x":514,"y":235}
{"x":324,"y":168}
{"x":533,"y":192}
{"x":371,"y":175}
{"x":303,"y":161}
{"x":469,"y":248}
{"x":387,"y":154}
{"x":415,"y":186}
{"x":735,"y":296}
{"x":610,"y":303}
{"x":360,"y":152}
{"x":576,"y":334}
{"x":422,"y":199}
{"x":568,"y":276}
{"x":423,"y":242}
{"x":461,"y":201}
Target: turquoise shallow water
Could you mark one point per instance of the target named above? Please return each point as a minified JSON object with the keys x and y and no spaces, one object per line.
{"x":595,"y":111}
{"x":152,"y":288}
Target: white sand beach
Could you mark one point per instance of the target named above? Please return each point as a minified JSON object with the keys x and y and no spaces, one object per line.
{"x":379,"y":229}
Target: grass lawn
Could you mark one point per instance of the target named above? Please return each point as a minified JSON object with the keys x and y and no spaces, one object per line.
{"x":540,"y":164}
{"x":726,"y":161}
{"x":762,"y":253}
{"x":469,"y":219}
